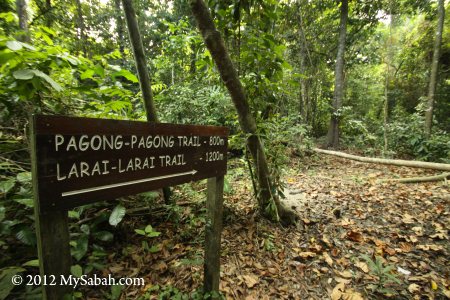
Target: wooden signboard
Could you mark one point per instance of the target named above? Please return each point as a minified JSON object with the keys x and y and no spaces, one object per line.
{"x":78,"y":161}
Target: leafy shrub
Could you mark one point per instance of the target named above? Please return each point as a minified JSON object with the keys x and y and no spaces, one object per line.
{"x":406,"y":137}
{"x":196,"y":103}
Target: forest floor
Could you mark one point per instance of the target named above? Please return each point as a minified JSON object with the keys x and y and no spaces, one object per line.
{"x":358,"y":238}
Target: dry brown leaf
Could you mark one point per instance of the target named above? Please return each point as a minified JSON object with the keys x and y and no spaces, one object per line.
{"x":250,"y":280}
{"x":408,"y":219}
{"x":413,"y":288}
{"x":405,"y":247}
{"x":430,"y":247}
{"x":352,"y":295}
{"x":355,"y":236}
{"x":389,"y":251}
{"x":363,"y":266}
{"x":337,"y":292}
{"x":345,"y":274}
{"x":328,"y":259}
{"x":342,"y":280}
{"x":446,"y":293}
{"x":307,"y":254}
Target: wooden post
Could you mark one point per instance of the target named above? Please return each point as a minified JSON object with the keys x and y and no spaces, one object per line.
{"x":52,"y":233}
{"x":54,"y":253}
{"x":214,"y":207}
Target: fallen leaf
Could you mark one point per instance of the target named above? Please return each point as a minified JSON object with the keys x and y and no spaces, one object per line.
{"x":250,"y":280}
{"x":363,"y":266}
{"x":434,"y":285}
{"x":413,"y":288}
{"x":328,"y":259}
{"x":306,"y":254}
{"x":355,"y":236}
{"x":408,"y":219}
{"x":337,"y":291}
{"x":430,"y":247}
{"x":345,"y":274}
{"x":352,"y":295}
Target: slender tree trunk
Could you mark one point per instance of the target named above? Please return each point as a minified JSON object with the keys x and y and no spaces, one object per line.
{"x":82,"y":39}
{"x":21,"y":7}
{"x":119,"y":24}
{"x":386,"y":86}
{"x":333,"y":131}
{"x":434,"y":68}
{"x":269,"y":203}
{"x":141,"y":66}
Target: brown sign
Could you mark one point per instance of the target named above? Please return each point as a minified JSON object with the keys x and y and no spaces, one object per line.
{"x":84,"y":160}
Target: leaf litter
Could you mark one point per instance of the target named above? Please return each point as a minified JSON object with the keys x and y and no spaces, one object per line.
{"x":347,"y":215}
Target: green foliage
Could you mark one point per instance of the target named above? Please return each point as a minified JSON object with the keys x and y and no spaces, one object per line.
{"x":195,"y":103}
{"x":406,"y":136}
{"x":384,"y":275}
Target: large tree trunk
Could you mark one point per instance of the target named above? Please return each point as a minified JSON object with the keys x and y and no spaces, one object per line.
{"x":21,"y":7}
{"x":267,"y":200}
{"x":395,"y":162}
{"x":333,"y":131}
{"x":141,"y":66}
{"x":434,"y":68}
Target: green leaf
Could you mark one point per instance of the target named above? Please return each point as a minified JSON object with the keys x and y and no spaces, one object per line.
{"x":155,"y":248}
{"x":139,"y":231}
{"x":85,"y":229}
{"x":117,"y":215}
{"x":76,"y":271}
{"x":25,"y":201}
{"x":24,"y":177}
{"x":6,"y":274}
{"x":148,"y":229}
{"x":87,"y":74}
{"x":2,"y":213}
{"x":127,"y":74}
{"x":104,"y":236}
{"x":47,"y":78}
{"x":73,"y":214}
{"x":81,"y":247}
{"x":7,"y":185}
{"x":31,"y":263}
{"x":26,"y":236}
{"x":116,"y":291}
{"x":24,"y":74}
{"x":14,"y":45}
{"x":153,"y":234}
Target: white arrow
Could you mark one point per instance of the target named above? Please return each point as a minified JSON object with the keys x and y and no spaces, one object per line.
{"x":110,"y":186}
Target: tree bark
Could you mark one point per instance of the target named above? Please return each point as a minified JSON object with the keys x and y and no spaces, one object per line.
{"x":216,"y":46}
{"x":141,"y":66}
{"x":21,"y":7}
{"x":434,"y":68}
{"x":439,"y":177}
{"x":395,"y":162}
{"x":119,"y":26}
{"x":333,"y":131}
{"x":82,"y":29}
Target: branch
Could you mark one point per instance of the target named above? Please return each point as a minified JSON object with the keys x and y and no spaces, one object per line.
{"x":395,"y":162}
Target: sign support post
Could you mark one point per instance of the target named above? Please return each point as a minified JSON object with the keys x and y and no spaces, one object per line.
{"x":214,"y":211}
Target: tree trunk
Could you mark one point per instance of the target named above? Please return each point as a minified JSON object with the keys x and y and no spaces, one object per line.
{"x":21,"y":7}
{"x":82,"y":39}
{"x":141,"y":66}
{"x":434,"y":68}
{"x":268,"y":201}
{"x":119,"y":26}
{"x":395,"y":162}
{"x":333,"y":131}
